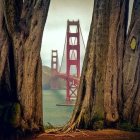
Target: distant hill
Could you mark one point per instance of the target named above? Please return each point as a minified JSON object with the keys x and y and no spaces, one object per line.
{"x":46,"y":79}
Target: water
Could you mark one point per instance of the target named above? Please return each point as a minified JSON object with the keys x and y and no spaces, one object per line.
{"x":56,"y":115}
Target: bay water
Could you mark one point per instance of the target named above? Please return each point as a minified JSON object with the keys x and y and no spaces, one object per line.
{"x":53,"y":114}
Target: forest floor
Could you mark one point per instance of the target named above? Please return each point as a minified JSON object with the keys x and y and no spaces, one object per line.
{"x":91,"y":135}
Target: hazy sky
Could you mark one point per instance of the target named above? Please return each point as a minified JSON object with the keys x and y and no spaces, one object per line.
{"x":55,"y":29}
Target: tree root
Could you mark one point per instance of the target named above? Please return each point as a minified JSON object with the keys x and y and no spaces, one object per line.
{"x":53,"y":131}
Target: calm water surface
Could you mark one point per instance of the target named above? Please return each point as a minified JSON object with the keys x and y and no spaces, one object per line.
{"x":56,"y":115}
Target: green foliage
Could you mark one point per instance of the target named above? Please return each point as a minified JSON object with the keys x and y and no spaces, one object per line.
{"x":98,"y":122}
{"x":11,"y":114}
{"x":98,"y":125}
{"x":49,"y":126}
{"x":15,"y":115}
{"x":127,"y":126}
{"x":98,"y":117}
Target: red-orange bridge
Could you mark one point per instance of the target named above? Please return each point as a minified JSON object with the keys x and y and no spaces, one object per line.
{"x":71,"y":53}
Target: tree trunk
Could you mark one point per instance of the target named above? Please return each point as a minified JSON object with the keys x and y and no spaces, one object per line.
{"x":89,"y":105}
{"x":131,"y":69}
{"x":113,"y":81}
{"x":109,"y":87}
{"x":21,"y":29}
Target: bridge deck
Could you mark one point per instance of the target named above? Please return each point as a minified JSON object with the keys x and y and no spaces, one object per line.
{"x":65,"y":77}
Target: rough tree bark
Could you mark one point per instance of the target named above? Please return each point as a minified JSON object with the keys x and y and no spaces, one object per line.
{"x":131,"y":69}
{"x":107,"y":80}
{"x":113,"y":82}
{"x":21,"y":29}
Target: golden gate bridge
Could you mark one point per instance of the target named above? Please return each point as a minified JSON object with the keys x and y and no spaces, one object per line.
{"x":71,"y":64}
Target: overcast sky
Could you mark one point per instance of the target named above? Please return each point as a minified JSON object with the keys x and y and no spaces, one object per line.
{"x":55,"y":29}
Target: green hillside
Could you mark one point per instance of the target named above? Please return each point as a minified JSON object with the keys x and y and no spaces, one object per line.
{"x":46,"y":79}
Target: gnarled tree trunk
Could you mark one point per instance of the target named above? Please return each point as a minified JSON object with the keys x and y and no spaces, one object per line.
{"x":109,"y":91}
{"x":113,"y":82}
{"x":21,"y":29}
{"x":89,"y":106}
{"x":131,"y":69}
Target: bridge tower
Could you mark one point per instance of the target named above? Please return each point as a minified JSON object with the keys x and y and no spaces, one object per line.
{"x":54,"y":61}
{"x":72,"y":46}
{"x":54,"y":69}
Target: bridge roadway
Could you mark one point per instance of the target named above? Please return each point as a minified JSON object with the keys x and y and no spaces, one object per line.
{"x":64,"y":76}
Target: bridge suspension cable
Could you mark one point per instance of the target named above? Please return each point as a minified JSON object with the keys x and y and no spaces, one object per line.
{"x":72,"y":59}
